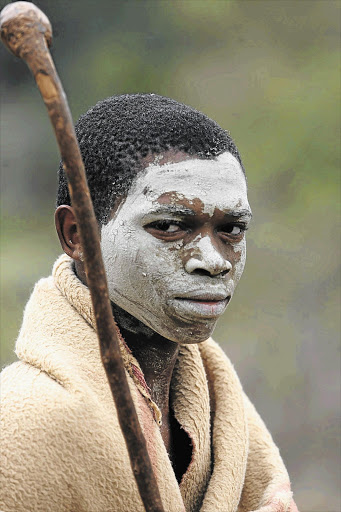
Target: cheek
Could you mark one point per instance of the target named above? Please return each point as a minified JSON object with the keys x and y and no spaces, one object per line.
{"x":118,"y":250}
{"x":108,"y":244}
{"x":238,"y":258}
{"x":162,"y":264}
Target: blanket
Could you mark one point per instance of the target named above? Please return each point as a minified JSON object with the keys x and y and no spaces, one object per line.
{"x":62,"y":447}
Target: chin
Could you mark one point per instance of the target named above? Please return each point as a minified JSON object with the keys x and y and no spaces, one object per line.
{"x":192,"y":334}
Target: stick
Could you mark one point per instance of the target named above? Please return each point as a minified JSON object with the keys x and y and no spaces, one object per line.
{"x":27,"y":32}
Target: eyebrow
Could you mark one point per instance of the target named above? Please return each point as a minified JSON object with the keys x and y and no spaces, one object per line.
{"x":173,"y":208}
{"x":239,"y":213}
{"x":183,"y":210}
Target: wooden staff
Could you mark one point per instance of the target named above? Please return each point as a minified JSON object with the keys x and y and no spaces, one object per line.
{"x":27,"y":32}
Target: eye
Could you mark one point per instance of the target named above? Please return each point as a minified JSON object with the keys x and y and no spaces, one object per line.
{"x":167,"y":226}
{"x":170,"y":229}
{"x":234,"y":231}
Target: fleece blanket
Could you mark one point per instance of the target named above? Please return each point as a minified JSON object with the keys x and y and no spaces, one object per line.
{"x":61,"y":444}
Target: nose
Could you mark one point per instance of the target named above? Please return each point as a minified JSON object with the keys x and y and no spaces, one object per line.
{"x":207,"y":260}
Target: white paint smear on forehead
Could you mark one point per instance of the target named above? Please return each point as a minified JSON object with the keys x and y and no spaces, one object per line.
{"x":218,"y":183}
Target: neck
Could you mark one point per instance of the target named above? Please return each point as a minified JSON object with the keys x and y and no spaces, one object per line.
{"x":155,"y":354}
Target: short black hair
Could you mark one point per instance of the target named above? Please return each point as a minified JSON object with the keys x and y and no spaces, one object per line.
{"x":118,"y":132}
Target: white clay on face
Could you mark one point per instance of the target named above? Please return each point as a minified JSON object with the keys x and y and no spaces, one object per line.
{"x":146,"y":274}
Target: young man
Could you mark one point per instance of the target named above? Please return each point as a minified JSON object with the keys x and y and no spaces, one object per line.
{"x":170,"y":196}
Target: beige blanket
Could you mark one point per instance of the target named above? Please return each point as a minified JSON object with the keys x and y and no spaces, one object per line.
{"x":62,"y":448}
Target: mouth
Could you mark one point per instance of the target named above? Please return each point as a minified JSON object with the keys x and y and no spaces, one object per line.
{"x":204,"y":306}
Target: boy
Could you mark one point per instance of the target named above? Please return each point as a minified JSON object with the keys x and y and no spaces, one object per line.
{"x":170,"y":196}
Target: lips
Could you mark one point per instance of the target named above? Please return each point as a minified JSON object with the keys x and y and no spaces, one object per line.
{"x":201,"y":305}
{"x":205,"y":296}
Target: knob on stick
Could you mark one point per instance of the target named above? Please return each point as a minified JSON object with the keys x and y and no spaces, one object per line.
{"x":22,"y":25}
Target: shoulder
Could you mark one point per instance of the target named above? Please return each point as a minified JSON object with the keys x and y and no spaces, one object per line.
{"x":25,"y":386}
{"x":37,"y":402}
{"x":35,"y":430}
{"x":34,"y":410}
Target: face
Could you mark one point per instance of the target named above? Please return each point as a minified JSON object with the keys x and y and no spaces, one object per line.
{"x":175,"y":249}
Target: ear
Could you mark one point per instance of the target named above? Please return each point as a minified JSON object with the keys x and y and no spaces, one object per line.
{"x":66,"y":227}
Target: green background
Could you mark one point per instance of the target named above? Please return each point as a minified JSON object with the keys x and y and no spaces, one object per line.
{"x":268,"y":71}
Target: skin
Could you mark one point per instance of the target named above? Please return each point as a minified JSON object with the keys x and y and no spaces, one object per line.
{"x":174,"y":251}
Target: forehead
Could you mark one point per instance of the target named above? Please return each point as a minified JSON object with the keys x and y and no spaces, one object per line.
{"x":218,"y":183}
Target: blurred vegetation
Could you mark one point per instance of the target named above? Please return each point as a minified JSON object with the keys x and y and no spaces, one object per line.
{"x":269,"y":72}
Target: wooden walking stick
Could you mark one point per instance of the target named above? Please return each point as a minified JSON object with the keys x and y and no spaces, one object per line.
{"x":26,"y":32}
